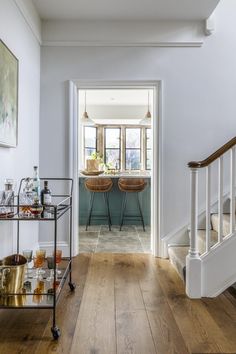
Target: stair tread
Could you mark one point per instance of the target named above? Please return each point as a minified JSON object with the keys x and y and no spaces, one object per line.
{"x":201,"y":239}
{"x":226,"y":223}
{"x":202,"y":234}
{"x":177,"y":255}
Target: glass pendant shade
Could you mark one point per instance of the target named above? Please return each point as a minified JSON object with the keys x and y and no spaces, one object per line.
{"x":85,"y":117}
{"x":147,"y":119}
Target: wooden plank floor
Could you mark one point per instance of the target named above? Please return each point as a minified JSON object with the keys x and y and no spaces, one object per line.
{"x":126,"y":303}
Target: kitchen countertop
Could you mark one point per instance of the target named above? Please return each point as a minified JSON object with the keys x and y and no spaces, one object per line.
{"x":141,"y":174}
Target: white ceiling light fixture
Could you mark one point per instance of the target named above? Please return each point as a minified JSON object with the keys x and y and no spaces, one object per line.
{"x":85,"y":117}
{"x":148,"y":117}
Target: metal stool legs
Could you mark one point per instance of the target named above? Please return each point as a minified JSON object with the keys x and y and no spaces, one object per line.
{"x":123,"y":210}
{"x":106,"y":201}
{"x":124,"y":207}
{"x":140,"y":211}
{"x":105,"y":195}
{"x":90,"y":210}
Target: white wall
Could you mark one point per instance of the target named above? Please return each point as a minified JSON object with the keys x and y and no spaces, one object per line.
{"x":199,"y":105}
{"x":18,"y":162}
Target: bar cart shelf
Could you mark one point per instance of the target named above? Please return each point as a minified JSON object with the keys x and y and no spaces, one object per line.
{"x":50,"y":292}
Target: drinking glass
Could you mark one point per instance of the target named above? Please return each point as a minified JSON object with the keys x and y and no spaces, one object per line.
{"x":28,"y":255}
{"x":50,"y":261}
{"x":38,"y":263}
{"x":41,"y":285}
{"x":41,"y":254}
{"x":58,"y":260}
{"x":37,"y":297}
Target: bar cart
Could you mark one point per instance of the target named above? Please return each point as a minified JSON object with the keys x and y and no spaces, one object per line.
{"x":49,"y":291}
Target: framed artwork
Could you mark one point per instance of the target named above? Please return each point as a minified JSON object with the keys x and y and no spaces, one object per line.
{"x":8,"y":97}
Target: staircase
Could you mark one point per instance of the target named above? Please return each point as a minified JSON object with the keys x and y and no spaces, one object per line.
{"x":207,"y":263}
{"x":178,"y":253}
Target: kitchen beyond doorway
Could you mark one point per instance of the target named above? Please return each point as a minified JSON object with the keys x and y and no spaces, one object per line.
{"x":132,"y":239}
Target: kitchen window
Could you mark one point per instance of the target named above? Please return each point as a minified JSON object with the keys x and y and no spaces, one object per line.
{"x":133,"y":148}
{"x":148,"y":149}
{"x":112,"y":146}
{"x":90,"y":141}
{"x":124,"y":147}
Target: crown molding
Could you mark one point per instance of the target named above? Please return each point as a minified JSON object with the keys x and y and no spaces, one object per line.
{"x":31,"y":18}
{"x":64,"y":33}
{"x":67,"y":43}
{"x":210,"y":26}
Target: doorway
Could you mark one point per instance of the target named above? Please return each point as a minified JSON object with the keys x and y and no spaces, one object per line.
{"x":153,"y":90}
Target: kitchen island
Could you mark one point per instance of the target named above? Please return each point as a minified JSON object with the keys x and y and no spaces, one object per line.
{"x":115,"y":199}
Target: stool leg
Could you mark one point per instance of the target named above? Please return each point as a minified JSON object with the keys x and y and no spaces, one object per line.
{"x":90,"y":210}
{"x":140,"y":211}
{"x":123,"y":211}
{"x":108,"y":211}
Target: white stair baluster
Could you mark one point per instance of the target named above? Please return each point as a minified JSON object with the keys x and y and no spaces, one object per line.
{"x":193,"y":251}
{"x":208,"y":208}
{"x":232,"y":190}
{"x":220,"y":200}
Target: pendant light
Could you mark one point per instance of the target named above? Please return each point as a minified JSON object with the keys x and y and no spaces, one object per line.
{"x":147,"y":119}
{"x":85,"y":117}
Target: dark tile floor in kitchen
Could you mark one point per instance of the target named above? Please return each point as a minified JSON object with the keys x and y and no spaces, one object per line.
{"x":98,"y":239}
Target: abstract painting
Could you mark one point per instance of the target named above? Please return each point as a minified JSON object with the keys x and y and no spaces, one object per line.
{"x":8,"y":97}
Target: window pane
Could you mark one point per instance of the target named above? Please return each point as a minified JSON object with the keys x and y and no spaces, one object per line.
{"x":112,"y":136}
{"x":113,"y":157}
{"x":90,"y":137}
{"x":148,"y":137}
{"x":132,"y":159}
{"x":88,"y":152}
{"x":132,"y":138}
{"x":149,"y":160}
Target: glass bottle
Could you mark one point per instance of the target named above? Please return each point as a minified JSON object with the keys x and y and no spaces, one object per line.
{"x":46,"y":200}
{"x":9,"y":194}
{"x":36,"y":182}
{"x":46,"y":195}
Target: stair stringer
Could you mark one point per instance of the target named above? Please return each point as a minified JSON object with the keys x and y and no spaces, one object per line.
{"x":218,"y":268}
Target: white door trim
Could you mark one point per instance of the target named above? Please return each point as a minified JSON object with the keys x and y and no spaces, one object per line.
{"x":156,"y":185}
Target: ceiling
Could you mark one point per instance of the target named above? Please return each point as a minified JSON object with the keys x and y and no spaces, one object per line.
{"x":132,"y":10}
{"x":116,"y":97}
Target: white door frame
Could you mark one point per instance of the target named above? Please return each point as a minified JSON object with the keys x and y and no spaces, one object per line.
{"x":156,"y":185}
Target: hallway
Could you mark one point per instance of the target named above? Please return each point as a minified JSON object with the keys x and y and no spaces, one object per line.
{"x":126,"y":303}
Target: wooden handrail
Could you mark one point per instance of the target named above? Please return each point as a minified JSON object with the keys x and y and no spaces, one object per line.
{"x":222,"y":150}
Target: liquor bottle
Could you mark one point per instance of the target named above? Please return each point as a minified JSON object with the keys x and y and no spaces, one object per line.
{"x":46,"y":195}
{"x":36,"y":182}
{"x":46,"y":200}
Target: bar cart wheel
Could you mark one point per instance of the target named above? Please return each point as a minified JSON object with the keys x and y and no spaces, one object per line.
{"x":55,"y":332}
{"x":72,"y":286}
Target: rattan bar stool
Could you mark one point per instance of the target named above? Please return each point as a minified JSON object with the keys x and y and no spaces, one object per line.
{"x":99,"y":185}
{"x":131,"y":185}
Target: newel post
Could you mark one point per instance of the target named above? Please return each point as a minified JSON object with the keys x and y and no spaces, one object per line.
{"x":193,"y":261}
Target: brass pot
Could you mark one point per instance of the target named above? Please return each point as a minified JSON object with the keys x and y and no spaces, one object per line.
{"x":12,"y":274}
{"x":13,"y":300}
